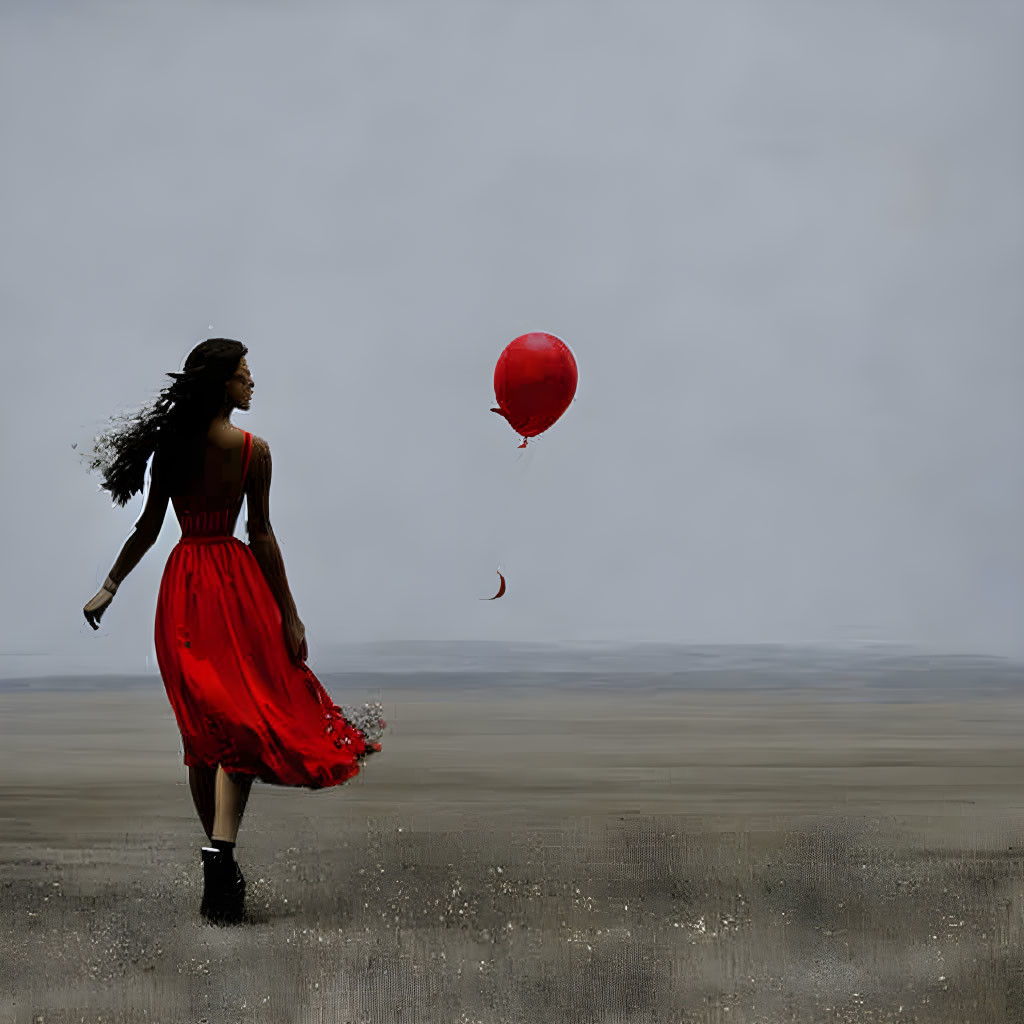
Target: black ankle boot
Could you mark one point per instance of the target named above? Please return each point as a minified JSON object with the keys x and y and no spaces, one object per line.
{"x":223,"y":888}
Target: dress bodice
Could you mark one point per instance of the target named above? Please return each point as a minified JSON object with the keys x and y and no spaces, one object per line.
{"x":203,"y":515}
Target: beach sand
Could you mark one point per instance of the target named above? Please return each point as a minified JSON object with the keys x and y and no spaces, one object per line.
{"x":630,"y":854}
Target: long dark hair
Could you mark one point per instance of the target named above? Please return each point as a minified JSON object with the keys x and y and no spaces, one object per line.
{"x":172,"y":429}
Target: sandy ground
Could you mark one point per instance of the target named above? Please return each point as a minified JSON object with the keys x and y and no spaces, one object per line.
{"x":559,"y":857}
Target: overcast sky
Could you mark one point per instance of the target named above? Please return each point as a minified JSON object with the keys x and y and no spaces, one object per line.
{"x":783,"y":241}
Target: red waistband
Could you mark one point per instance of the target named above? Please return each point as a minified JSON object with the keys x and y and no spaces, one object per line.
{"x":212,"y":538}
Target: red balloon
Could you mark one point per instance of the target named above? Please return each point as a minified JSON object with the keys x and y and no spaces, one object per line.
{"x":534,"y":382}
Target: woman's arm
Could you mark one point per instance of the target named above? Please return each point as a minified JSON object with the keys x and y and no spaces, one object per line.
{"x":146,"y":531}
{"x":131,"y":554}
{"x":141,"y":540}
{"x":262,"y":541}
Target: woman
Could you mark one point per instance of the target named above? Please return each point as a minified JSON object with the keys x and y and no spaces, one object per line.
{"x":229,"y":642}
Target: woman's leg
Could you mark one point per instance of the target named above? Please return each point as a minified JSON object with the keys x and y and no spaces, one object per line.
{"x":230,"y":797}
{"x":201,"y":781}
{"x":224,"y":883}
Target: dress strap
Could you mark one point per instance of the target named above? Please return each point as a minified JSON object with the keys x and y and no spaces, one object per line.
{"x":246,"y":453}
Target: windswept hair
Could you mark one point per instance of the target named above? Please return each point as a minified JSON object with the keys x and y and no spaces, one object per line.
{"x":172,"y":429}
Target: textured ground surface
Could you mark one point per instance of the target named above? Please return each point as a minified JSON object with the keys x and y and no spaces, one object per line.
{"x":624,"y":854}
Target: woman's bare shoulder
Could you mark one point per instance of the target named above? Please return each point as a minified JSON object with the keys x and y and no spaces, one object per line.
{"x":259,"y":458}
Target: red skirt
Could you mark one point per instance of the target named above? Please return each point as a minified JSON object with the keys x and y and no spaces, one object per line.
{"x":238,"y":698}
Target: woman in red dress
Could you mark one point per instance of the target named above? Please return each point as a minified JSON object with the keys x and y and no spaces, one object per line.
{"x":229,"y":642}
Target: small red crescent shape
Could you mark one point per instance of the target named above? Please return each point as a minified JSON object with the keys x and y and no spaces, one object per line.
{"x":501,"y":590}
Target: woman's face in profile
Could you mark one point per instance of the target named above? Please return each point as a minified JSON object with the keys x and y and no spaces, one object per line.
{"x":240,"y":386}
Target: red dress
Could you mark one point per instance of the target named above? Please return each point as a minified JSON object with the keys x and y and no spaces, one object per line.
{"x":238,"y":698}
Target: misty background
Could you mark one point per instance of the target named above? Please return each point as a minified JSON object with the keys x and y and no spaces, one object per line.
{"x":783,"y":241}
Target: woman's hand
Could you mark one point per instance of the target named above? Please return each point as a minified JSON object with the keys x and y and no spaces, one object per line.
{"x":95,"y":608}
{"x":295,"y":640}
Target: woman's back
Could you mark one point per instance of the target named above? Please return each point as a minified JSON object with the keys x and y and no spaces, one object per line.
{"x":214,"y":499}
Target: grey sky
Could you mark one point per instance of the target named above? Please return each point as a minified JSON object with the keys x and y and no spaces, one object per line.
{"x":784,"y":242}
